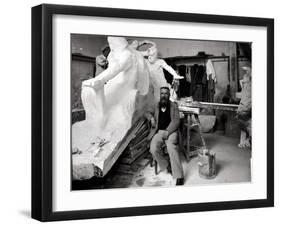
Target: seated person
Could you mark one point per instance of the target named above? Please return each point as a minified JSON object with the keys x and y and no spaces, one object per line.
{"x":165,"y":120}
{"x":244,"y":111}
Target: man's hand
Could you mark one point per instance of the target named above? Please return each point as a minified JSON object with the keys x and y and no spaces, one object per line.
{"x":153,"y":122}
{"x":164,"y":134}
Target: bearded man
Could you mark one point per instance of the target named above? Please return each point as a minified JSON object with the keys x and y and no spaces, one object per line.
{"x":165,"y":120}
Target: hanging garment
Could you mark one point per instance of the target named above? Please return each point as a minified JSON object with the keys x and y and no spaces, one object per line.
{"x":187,"y":75}
{"x":211,"y":77}
{"x":210,"y":70}
{"x":188,"y":81}
{"x":183,"y":88}
{"x":211,"y":89}
{"x":193,"y":74}
{"x":198,"y":82}
{"x":204,"y":83}
{"x":198,"y":93}
{"x":200,"y":79}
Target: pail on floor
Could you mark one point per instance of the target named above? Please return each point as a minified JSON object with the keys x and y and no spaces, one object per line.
{"x":207,"y":164}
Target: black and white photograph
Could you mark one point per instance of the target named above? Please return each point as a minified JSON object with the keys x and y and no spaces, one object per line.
{"x":142,"y":112}
{"x":139,"y":113}
{"x":159,"y":112}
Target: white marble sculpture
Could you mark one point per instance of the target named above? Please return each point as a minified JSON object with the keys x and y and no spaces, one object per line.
{"x":110,"y":100}
{"x":156,"y":67}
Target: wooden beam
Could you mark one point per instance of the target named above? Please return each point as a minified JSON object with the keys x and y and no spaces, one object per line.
{"x":203,"y":105}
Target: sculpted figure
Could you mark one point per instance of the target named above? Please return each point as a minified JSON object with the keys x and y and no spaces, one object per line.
{"x":156,"y":67}
{"x":110,"y":100}
{"x":244,"y":111}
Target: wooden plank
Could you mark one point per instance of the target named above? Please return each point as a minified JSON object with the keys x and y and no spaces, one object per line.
{"x":139,"y":139}
{"x":131,"y":153}
{"x":140,"y":144}
{"x":130,"y":160}
{"x":139,"y":150}
{"x":108,"y":163}
{"x":216,"y":106}
{"x":143,"y":129}
{"x":126,"y":168}
{"x":192,"y":110}
{"x":140,"y":162}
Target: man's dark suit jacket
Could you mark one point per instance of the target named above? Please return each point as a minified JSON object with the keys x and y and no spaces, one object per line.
{"x":175,"y":118}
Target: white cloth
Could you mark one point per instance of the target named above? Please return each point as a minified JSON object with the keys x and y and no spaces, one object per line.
{"x":210,"y":70}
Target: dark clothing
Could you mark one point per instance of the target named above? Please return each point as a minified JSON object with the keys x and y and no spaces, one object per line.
{"x":198,"y":82}
{"x":184,"y":85}
{"x":171,"y":143}
{"x":174,"y":116}
{"x":198,"y":92}
{"x":243,"y":119}
{"x":211,"y":89}
{"x":164,"y":118}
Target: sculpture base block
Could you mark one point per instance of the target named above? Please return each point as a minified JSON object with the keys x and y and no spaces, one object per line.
{"x":86,"y":165}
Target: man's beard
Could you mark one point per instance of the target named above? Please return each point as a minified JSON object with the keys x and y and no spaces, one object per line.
{"x":163,"y":102}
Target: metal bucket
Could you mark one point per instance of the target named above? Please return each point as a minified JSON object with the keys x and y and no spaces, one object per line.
{"x":207,"y":165}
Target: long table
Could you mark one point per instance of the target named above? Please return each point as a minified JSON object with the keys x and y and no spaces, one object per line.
{"x":206,"y":105}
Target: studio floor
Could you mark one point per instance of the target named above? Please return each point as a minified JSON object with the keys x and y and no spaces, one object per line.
{"x":233,"y":166}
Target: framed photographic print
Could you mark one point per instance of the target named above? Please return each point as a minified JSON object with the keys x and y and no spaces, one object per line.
{"x":146,"y":112}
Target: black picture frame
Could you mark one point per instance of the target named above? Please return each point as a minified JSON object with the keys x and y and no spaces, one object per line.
{"x":42,"y":111}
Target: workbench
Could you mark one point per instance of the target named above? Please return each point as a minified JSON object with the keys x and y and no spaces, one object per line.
{"x":190,"y":111}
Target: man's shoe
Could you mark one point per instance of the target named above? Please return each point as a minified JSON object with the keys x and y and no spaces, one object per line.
{"x":180,"y":181}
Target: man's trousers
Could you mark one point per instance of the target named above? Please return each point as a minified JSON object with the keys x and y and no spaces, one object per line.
{"x":157,"y":143}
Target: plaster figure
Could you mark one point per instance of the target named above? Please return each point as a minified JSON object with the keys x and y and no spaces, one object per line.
{"x":244,"y":111}
{"x":110,"y":100}
{"x":156,"y":67}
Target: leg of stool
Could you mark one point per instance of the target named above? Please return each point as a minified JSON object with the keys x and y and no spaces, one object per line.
{"x":187,"y":135}
{"x":200,"y":131}
{"x":151,"y":162}
{"x":155,"y":167}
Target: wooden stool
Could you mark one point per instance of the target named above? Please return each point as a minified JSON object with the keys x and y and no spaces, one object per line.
{"x":189,"y":124}
{"x":153,"y":162}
